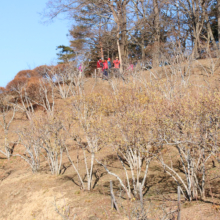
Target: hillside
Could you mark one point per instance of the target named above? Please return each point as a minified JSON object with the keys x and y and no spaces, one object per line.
{"x":155,"y":129}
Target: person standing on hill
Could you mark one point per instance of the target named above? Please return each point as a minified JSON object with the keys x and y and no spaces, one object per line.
{"x":109,"y":66}
{"x":81,"y":69}
{"x":99,"y":67}
{"x":116,"y":67}
{"x":105,"y":69}
{"x":130,"y":67}
{"x":109,"y":63}
{"x":116,"y":63}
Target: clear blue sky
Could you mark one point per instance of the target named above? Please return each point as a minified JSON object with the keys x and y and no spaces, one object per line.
{"x":25,"y":42}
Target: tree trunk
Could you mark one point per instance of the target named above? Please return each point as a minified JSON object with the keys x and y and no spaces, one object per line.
{"x":101,"y":45}
{"x":123,"y":29}
{"x":179,"y":31}
{"x":157,"y":35}
{"x":118,"y":17}
{"x":198,"y":12}
{"x":218,"y":22}
{"x":210,"y":34}
{"x":195,"y":29}
{"x":119,"y":53}
{"x":143,"y":49}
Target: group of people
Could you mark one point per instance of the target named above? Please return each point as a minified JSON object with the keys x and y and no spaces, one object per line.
{"x":104,"y":66}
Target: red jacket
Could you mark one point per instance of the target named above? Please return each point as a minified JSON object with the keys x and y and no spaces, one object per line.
{"x":116,"y":64}
{"x":98,"y":64}
{"x":105,"y":66}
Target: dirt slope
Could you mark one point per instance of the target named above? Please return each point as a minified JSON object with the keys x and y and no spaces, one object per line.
{"x":28,"y":196}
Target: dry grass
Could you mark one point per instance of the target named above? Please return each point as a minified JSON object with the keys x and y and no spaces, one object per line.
{"x":31,"y":196}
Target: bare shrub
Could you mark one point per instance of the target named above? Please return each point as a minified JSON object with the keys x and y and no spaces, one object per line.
{"x":209,"y":65}
{"x":130,"y":138}
{"x":189,"y":126}
{"x":51,"y":138}
{"x":31,"y":150}
{"x":85,"y":113}
{"x":66,"y":78}
{"x":16,"y":84}
{"x":7,"y":115}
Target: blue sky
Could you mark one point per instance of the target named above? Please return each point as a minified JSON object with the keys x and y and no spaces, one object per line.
{"x":25,"y":42}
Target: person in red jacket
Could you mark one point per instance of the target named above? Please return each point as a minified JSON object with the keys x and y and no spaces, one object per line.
{"x":116,"y":67}
{"x":105,"y":69}
{"x":116,"y":63}
{"x":99,"y":67}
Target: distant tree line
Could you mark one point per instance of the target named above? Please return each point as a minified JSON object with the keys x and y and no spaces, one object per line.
{"x":139,"y":29}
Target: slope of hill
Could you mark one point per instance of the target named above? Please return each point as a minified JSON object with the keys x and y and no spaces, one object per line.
{"x":150,"y":124}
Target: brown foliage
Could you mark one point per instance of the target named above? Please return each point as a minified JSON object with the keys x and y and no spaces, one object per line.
{"x":27,"y":74}
{"x":33,"y":88}
{"x":21,"y":79}
{"x":43,"y":71}
{"x":2,"y":90}
{"x":29,"y":79}
{"x":60,"y":68}
{"x":16,"y":83}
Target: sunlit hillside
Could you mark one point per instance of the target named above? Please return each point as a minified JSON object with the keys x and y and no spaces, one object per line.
{"x":139,"y":145}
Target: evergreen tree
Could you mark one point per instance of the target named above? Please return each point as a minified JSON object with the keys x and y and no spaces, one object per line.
{"x":65,"y":54}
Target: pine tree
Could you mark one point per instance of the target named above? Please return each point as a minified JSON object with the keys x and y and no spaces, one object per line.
{"x":65,"y":54}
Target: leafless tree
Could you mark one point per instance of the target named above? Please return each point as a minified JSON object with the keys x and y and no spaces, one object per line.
{"x":195,"y":141}
{"x":86,"y":116}
{"x":7,"y":115}
{"x":30,"y":147}
{"x":51,"y":138}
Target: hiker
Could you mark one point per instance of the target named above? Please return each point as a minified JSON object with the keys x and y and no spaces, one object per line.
{"x":116,"y":63}
{"x":109,"y":66}
{"x":105,"y":69}
{"x":116,"y":66}
{"x":80,"y":68}
{"x":130,"y":67}
{"x":99,"y":67}
{"x":109,"y":63}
